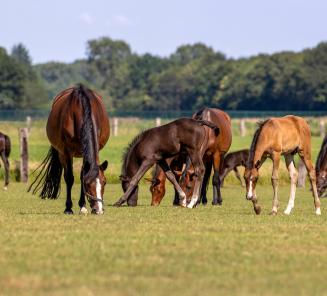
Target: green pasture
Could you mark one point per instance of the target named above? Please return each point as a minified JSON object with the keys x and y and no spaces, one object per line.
{"x":163,"y":250}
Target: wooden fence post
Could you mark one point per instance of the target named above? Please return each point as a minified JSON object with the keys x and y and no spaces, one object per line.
{"x":242,"y":127}
{"x":23,"y":140}
{"x":158,"y":121}
{"x":29,"y":123}
{"x":115,"y":126}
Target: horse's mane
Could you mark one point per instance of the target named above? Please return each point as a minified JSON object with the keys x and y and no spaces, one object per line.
{"x":88,"y":138}
{"x":322,"y":154}
{"x":254,"y":142}
{"x":127,"y":152}
{"x":198,"y":115}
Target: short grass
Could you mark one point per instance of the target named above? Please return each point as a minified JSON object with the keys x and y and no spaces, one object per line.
{"x":162,"y":250}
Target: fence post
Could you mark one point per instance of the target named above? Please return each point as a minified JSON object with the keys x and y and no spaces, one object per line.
{"x":158,"y":121}
{"x":115,"y":126}
{"x":322,"y":128}
{"x":29,"y":122}
{"x":23,"y":140}
{"x":242,"y":127}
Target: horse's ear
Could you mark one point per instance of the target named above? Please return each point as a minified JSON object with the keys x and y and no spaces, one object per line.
{"x":104,"y":165}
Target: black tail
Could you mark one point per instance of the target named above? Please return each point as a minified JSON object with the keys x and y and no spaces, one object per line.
{"x":211,"y":125}
{"x":7,"y":146}
{"x":48,"y":179}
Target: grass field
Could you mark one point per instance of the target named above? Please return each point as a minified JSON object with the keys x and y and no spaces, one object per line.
{"x":165,"y":250}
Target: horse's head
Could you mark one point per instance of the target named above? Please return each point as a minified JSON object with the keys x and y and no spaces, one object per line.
{"x":251,"y":177}
{"x":158,"y":190}
{"x":321,"y":182}
{"x":94,"y":182}
{"x":187,"y":182}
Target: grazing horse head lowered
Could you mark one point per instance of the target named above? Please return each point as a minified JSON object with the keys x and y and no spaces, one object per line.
{"x":78,"y":126}
{"x":155,"y":145}
{"x":214,"y":150}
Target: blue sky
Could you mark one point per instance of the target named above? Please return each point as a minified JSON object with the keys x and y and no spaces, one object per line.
{"x":57,"y":30}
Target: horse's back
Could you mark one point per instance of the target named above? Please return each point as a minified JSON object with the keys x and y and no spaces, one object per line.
{"x":288,"y":132}
{"x":66,"y":119}
{"x":223,"y":121}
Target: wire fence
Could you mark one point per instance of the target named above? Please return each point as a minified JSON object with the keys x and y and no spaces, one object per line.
{"x":21,"y":114}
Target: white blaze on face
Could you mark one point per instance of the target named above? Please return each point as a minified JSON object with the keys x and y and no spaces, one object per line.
{"x":250,"y":189}
{"x":98,"y":191}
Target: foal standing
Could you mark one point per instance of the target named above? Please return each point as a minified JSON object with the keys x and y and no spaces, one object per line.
{"x":275,"y":137}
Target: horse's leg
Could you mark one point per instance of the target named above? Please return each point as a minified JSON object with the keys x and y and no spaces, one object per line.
{"x":134,"y":182}
{"x":6,"y":165}
{"x":274,"y":181}
{"x":171,"y":177}
{"x":223,"y":175}
{"x":289,"y":159}
{"x":206,"y":177}
{"x":312,"y":174}
{"x":69,"y":179}
{"x":217,"y":200}
{"x":238,"y":176}
{"x":82,"y":201}
{"x":196,"y":158}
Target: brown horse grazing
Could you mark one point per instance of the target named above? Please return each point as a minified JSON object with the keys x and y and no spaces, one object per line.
{"x":5,"y":148}
{"x":155,"y":145}
{"x":158,"y":180}
{"x":215,"y":151}
{"x":321,"y":168}
{"x":78,"y":126}
{"x":233,"y":160}
{"x":275,"y":137}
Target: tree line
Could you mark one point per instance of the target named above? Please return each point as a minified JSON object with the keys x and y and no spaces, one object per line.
{"x":191,"y":77}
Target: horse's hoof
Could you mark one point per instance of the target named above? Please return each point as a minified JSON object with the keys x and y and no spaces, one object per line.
{"x":117,"y":204}
{"x":217,"y":203}
{"x":273,"y":213}
{"x":83,"y":211}
{"x":257,"y":210}
{"x":68,"y":212}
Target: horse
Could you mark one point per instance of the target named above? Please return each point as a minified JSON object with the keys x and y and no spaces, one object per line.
{"x":321,"y":168}
{"x":5,"y":148}
{"x":275,"y":137}
{"x":233,"y":160}
{"x":214,"y":153}
{"x":155,"y":145}
{"x":77,"y":126}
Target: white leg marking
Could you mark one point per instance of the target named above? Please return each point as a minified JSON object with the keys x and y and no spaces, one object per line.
{"x":83,"y":211}
{"x":5,"y":188}
{"x":293,"y":172}
{"x":98,"y":191}
{"x":182,"y":196}
{"x":318,"y":211}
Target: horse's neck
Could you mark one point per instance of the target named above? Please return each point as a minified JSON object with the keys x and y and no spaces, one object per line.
{"x":91,"y":149}
{"x":131,"y":166}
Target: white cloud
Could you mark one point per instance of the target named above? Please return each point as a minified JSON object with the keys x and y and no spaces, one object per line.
{"x":87,"y":18}
{"x":119,"y":20}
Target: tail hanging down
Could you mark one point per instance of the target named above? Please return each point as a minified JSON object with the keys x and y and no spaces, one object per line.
{"x":211,"y":125}
{"x":48,"y":179}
